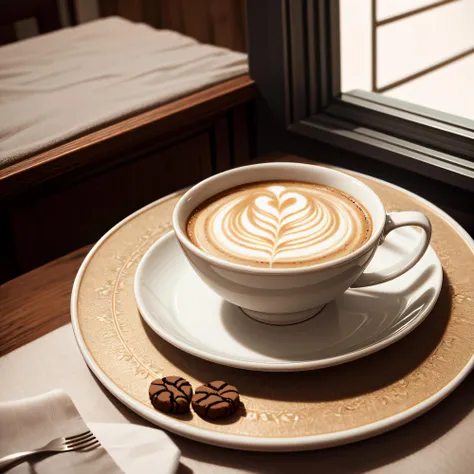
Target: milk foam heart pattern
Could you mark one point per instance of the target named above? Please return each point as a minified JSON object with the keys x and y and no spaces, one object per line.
{"x":280,"y":224}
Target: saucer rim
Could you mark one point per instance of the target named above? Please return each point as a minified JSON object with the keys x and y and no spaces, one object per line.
{"x":284,"y":366}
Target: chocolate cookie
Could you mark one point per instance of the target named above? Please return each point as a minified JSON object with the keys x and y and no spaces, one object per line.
{"x":171,"y":394}
{"x":216,"y":399}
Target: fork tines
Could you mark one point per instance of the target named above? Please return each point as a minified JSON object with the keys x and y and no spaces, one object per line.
{"x":85,"y":440}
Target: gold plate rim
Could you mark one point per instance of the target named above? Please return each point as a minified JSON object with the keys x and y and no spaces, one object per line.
{"x":239,"y":441}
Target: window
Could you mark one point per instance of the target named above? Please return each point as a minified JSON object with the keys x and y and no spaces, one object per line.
{"x":329,"y":77}
{"x":420,"y":51}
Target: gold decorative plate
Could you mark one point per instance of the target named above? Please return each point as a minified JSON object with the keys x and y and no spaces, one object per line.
{"x":283,"y":411}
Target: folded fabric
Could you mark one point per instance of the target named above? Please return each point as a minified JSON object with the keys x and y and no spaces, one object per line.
{"x":57,"y":86}
{"x":31,"y":423}
{"x":138,"y":449}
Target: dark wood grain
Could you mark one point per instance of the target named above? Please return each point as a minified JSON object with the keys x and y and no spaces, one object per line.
{"x":226,"y":22}
{"x":197,"y":21}
{"x":38,"y":302}
{"x":71,"y":12}
{"x":241,"y":25}
{"x":131,"y":10}
{"x":7,"y":34}
{"x":11,"y":12}
{"x":77,"y":213}
{"x":153,"y":12}
{"x":219,"y":22}
{"x":172,"y":15}
{"x":46,"y":13}
{"x":221,"y":146}
{"x":108,"y":8}
{"x":241,"y":132}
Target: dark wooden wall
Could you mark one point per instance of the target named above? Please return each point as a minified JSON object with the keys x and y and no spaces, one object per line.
{"x":45,"y":13}
{"x":220,"y":22}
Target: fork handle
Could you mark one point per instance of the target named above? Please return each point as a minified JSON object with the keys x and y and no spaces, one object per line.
{"x":15,"y":458}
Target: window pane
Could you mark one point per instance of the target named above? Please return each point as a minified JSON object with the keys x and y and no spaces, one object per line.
{"x":390,"y":8}
{"x":419,"y":51}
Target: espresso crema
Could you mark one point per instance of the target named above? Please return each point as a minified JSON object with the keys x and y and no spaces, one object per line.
{"x":280,"y":224}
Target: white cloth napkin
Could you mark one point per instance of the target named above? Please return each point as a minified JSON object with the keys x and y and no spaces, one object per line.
{"x":138,"y":449}
{"x":33,"y":422}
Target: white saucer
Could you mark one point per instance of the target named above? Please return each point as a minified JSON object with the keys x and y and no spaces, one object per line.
{"x":181,"y":309}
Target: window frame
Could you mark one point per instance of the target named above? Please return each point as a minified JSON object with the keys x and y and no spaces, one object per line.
{"x":294,"y":57}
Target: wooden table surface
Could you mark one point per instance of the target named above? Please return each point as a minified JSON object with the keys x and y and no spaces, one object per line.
{"x":37,"y":302}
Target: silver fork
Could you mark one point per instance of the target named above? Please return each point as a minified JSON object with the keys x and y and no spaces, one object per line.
{"x":84,"y":440}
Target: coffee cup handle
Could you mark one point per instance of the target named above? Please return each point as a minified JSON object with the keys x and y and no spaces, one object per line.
{"x":394,"y":221}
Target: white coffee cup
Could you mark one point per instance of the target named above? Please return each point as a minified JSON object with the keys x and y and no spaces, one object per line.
{"x":290,"y":295}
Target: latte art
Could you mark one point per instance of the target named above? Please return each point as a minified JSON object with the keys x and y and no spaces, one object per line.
{"x":280,"y":224}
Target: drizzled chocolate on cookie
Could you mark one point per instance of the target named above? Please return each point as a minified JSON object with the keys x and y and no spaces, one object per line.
{"x":171,"y":394}
{"x":215,"y":400}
